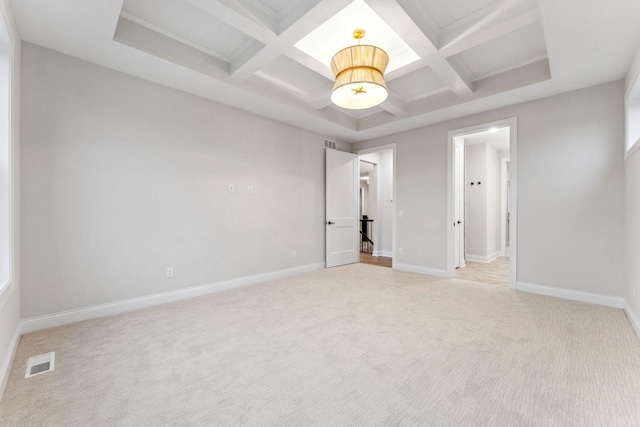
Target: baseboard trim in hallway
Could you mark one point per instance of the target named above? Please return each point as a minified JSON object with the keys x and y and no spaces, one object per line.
{"x":63,"y":318}
{"x":421,"y":270}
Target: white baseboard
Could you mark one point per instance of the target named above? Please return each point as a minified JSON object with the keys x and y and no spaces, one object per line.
{"x":481,"y":258}
{"x":421,"y":270}
{"x":63,"y":318}
{"x":5,"y":368}
{"x":589,"y":297}
{"x":633,"y":319}
{"x":382,"y":253}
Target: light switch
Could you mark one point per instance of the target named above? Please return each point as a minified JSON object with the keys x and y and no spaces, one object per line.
{"x":232,"y":188}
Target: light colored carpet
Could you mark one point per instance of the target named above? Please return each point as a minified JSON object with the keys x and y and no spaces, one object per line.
{"x":349,"y":346}
{"x":495,"y":272}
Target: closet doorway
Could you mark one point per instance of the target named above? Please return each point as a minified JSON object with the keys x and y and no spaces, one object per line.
{"x":482,"y":203}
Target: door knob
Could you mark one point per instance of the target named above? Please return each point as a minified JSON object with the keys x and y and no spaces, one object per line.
{"x":330,"y":223}
{"x":459,"y":222}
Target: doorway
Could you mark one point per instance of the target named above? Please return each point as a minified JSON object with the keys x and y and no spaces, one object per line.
{"x":482,"y":203}
{"x":377,"y":205}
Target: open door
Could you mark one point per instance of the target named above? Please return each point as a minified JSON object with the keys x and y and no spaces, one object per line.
{"x":458,"y":218}
{"x":342,"y":208}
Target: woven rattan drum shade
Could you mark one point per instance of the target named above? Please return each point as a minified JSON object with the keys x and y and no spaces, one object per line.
{"x":359,"y":77}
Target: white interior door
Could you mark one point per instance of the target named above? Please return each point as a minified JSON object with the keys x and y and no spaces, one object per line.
{"x":342,"y":182}
{"x":458,"y":225}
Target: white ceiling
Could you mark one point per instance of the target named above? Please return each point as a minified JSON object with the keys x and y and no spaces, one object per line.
{"x":472,"y":55}
{"x":497,"y":138}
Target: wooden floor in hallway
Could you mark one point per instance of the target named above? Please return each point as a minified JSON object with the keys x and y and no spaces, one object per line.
{"x":382,"y":261}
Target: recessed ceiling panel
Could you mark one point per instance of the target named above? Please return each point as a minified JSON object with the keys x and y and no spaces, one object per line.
{"x":447,"y":12}
{"x":509,"y":51}
{"x":295,"y":74}
{"x":187,"y":23}
{"x":337,"y":34}
{"x":276,"y":6}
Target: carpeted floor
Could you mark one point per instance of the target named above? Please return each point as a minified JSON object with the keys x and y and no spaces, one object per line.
{"x":495,"y":272}
{"x":354,"y":345}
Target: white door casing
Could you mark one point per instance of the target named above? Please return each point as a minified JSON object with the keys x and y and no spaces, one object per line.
{"x":504,"y":206}
{"x":342,"y":223}
{"x":512,"y":123}
{"x":459,"y":204}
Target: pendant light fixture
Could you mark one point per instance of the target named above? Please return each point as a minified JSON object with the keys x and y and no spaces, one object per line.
{"x":359,"y":74}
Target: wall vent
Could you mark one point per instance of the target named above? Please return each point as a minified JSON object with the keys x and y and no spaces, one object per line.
{"x":40,"y":364}
{"x":330,"y":144}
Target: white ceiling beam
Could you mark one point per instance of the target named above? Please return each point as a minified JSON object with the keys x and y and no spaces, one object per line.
{"x":407,"y":69}
{"x":458,"y":41}
{"x":421,"y":18}
{"x":243,"y":68}
{"x":459,"y":84}
{"x":255,"y":12}
{"x":394,"y":105}
{"x":462,"y":72}
{"x":320,"y":99}
{"x":310,"y":62}
{"x":293,"y":11}
{"x":396,"y":17}
{"x":172,"y":35}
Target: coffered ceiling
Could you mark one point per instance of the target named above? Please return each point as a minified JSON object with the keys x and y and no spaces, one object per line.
{"x":448,"y":58}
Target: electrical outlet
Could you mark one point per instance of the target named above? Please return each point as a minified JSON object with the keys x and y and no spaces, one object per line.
{"x":294,"y":254}
{"x":169,"y":272}
{"x":232,"y":188}
{"x":401,"y":251}
{"x":250,"y":189}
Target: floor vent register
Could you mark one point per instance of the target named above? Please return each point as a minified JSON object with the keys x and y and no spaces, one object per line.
{"x":40,"y":364}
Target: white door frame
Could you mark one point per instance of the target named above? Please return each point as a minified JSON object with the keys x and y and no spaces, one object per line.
{"x":503,"y":206}
{"x":393,"y":220}
{"x":513,"y":165}
{"x":460,"y":200}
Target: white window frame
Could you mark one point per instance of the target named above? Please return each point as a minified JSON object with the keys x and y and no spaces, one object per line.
{"x":8,"y":123}
{"x":632,"y":107}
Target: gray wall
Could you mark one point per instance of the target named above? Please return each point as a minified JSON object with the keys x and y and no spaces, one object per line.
{"x":475,"y":231}
{"x":493,"y":197}
{"x":570,"y":190}
{"x":482,"y":207}
{"x":122,"y":178}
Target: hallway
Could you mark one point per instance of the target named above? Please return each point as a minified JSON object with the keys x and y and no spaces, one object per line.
{"x":381,"y":261}
{"x":495,"y":272}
